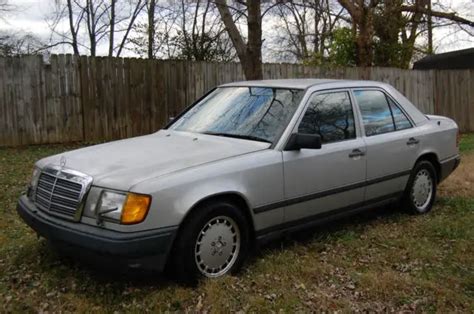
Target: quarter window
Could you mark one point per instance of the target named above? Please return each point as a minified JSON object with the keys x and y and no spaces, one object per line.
{"x":375,"y":110}
{"x":330,"y":116}
{"x":401,"y":121}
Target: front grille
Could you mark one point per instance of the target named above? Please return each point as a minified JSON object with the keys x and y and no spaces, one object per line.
{"x":60,"y":192}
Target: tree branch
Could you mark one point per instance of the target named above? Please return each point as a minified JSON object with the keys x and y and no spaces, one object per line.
{"x":444,"y":15}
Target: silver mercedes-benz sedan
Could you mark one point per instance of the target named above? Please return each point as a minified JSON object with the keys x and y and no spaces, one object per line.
{"x":247,"y":162}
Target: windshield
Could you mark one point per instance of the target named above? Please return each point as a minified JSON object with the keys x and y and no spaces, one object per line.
{"x":255,"y":113}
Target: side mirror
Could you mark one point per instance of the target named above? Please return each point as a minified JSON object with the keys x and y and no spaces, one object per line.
{"x":299,"y":140}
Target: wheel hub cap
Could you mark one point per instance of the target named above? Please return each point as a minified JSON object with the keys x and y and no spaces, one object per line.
{"x":422,"y":190}
{"x":217,"y":246}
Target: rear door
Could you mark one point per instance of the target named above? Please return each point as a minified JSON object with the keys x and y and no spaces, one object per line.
{"x":331,"y":178}
{"x":391,"y":140}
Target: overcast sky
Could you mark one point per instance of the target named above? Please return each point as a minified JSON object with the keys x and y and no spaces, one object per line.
{"x":31,"y":16}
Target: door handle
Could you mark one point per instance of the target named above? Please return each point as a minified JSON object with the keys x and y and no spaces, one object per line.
{"x":412,"y":141}
{"x":356,"y":153}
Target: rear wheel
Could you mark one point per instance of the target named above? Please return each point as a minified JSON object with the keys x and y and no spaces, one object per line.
{"x":213,"y":241}
{"x":421,"y":188}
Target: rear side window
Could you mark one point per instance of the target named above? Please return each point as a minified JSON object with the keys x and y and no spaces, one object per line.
{"x":400,"y":119}
{"x":330,"y":116}
{"x":375,"y":110}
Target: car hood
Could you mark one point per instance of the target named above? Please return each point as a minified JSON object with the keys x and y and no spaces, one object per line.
{"x":122,"y":164}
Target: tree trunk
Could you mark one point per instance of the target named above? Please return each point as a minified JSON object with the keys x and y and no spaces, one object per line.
{"x":250,"y":54}
{"x":151,"y":28}
{"x":253,"y":70}
{"x":364,"y":39}
{"x":112,"y":28}
{"x":430,"y":29}
{"x":91,"y":24}
{"x":75,"y":47}
{"x":362,"y":22}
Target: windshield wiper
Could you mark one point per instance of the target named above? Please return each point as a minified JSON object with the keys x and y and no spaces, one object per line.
{"x":240,"y":136}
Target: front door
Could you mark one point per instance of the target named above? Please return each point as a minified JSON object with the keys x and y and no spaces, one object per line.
{"x":318,"y":181}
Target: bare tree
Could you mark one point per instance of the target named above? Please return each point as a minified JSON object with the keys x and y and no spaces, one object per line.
{"x":18,"y":42}
{"x":14,"y":44}
{"x":306,"y":28}
{"x":190,"y":30}
{"x":154,"y":38}
{"x":95,"y":16}
{"x":202,"y":36}
{"x":99,"y":20}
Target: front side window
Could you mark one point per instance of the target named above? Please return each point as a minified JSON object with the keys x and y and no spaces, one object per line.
{"x":375,"y":111}
{"x":330,"y":116}
{"x":255,"y":113}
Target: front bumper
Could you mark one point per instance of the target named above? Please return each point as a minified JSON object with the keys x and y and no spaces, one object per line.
{"x":145,"y":249}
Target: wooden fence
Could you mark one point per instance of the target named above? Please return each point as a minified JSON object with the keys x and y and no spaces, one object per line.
{"x":91,"y":99}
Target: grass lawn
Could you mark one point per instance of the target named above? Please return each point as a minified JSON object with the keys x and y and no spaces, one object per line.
{"x":382,"y":260}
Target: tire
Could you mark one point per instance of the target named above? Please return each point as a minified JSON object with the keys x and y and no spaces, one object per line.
{"x":420,"y":191}
{"x":213,"y":241}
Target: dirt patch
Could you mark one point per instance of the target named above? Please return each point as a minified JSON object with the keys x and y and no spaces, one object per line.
{"x":461,"y":181}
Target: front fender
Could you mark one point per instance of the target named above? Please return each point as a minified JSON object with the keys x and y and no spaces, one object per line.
{"x":257,"y":178}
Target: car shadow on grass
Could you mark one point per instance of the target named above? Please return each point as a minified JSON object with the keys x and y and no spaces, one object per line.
{"x":106,"y":273}
{"x":93,"y":275}
{"x":57,"y":266}
{"x":346,"y":227}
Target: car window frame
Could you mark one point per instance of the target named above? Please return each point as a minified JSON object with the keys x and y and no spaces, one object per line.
{"x":355,"y":112}
{"x":387,"y":97}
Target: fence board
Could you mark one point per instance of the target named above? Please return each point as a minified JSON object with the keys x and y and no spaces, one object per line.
{"x":84,"y":98}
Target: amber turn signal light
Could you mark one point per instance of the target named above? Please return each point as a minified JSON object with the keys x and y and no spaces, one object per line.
{"x":135,"y":208}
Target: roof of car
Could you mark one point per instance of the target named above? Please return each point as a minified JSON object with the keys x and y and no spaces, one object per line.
{"x":328,"y":84}
{"x":292,"y":83}
{"x":287,"y":83}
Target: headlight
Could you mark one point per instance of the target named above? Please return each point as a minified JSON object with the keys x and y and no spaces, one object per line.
{"x":33,"y":182}
{"x":125,"y":208}
{"x":35,"y":177}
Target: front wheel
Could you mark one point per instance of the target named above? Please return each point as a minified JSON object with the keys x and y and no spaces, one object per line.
{"x":421,"y":188}
{"x":212,"y":242}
